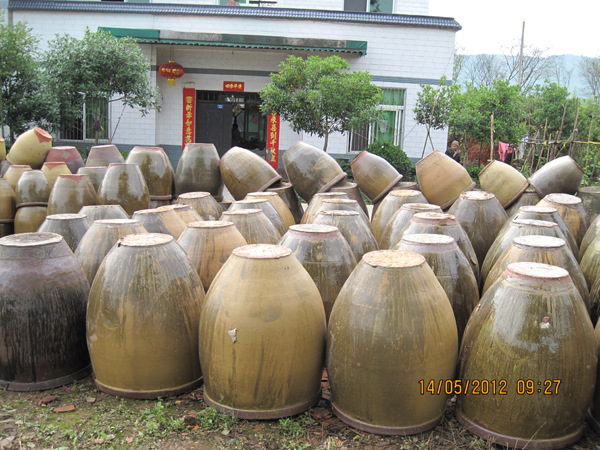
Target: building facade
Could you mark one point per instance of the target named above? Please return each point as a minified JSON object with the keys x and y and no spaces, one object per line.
{"x":228,"y":51}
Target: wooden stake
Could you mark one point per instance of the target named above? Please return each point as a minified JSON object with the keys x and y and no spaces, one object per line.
{"x":492,"y":139}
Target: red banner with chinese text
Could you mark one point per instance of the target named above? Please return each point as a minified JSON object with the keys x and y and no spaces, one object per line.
{"x":235,"y":86}
{"x":273,"y":140}
{"x":189,"y":112}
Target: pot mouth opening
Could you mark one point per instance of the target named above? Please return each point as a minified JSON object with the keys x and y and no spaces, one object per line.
{"x":262,"y":251}
{"x":562,"y":199}
{"x":393,"y":259}
{"x":539,"y":241}
{"x":145,"y":240}
{"x":538,"y":271}
{"x":189,"y":195}
{"x":210,"y":224}
{"x":31,"y":239}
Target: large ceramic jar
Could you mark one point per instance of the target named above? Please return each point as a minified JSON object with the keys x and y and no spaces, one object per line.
{"x":388,"y":207}
{"x":527,"y":198}
{"x":72,"y":227}
{"x":315,"y":203}
{"x":253,"y":225}
{"x":562,"y":175}
{"x":571,"y":209}
{"x":590,"y":197}
{"x":71,"y":193}
{"x":352,"y":191}
{"x":8,"y":208}
{"x":594,"y":412}
{"x":530,"y":346}
{"x":124,"y":185}
{"x":13,"y":173}
{"x":342,"y":204}
{"x":154,"y":165}
{"x":592,"y":233}
{"x":198,"y":170}
{"x":42,"y":313}
{"x":392,"y":233}
{"x":53,"y":169}
{"x":504,"y":181}
{"x":268,"y":209}
{"x":103,"y":212}
{"x":104,"y":155}
{"x":2,"y":149}
{"x":160,"y":221}
{"x":391,"y":313}
{"x":96,"y":175}
{"x":67,"y":154}
{"x":258,"y":338}
{"x":32,"y":189}
{"x":374,"y":175}
{"x":288,"y":195}
{"x":244,"y":171}
{"x":185,"y":212}
{"x":324,"y":253}
{"x":31,"y":148}
{"x":142,"y":319}
{"x":204,"y":204}
{"x":276,"y":202}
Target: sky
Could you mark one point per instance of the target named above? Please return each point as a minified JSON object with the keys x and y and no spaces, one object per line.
{"x":559,"y":26}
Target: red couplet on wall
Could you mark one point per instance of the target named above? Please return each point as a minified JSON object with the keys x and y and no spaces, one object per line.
{"x":189,"y":112}
{"x":273,"y":140}
{"x":233,"y":86}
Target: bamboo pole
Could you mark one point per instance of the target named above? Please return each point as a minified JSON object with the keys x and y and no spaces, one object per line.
{"x":492,"y":139}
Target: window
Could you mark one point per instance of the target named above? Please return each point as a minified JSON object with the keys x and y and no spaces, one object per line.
{"x":83,"y":128}
{"x":376,"y":6}
{"x":388,"y":129}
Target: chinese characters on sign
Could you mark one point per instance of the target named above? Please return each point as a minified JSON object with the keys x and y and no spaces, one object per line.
{"x":235,"y":86}
{"x":189,"y":111}
{"x":273,"y":140}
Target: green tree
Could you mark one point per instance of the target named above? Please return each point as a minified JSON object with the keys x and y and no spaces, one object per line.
{"x":589,"y":69}
{"x":97,"y":70}
{"x":321,"y":96}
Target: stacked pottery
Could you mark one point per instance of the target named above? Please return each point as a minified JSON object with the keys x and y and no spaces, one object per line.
{"x":390,"y":313}
{"x":504,"y":181}
{"x":265,"y":207}
{"x":324,"y":253}
{"x":208,"y":244}
{"x":392,"y":233}
{"x":571,"y":209}
{"x":289,"y":197}
{"x":154,"y":165}
{"x":100,"y":238}
{"x":185,"y":212}
{"x":352,"y":191}
{"x":103,"y":155}
{"x":243,"y":171}
{"x":124,"y":185}
{"x":342,"y":204}
{"x":442,"y":179}
{"x":314,"y":205}
{"x":527,"y":198}
{"x":8,"y":208}
{"x":67,"y":154}
{"x":159,"y":220}
{"x":13,"y":174}
{"x":32,"y":201}
{"x":311,"y":170}
{"x":103,"y":212}
{"x":374,"y":175}
{"x":277,"y":203}
{"x":96,"y":175}
{"x":481,"y":215}
{"x":142,"y":319}
{"x":590,"y":197}
{"x":72,"y":227}
{"x":354,"y":229}
{"x":198,"y":171}
{"x":388,"y":207}
{"x":451,"y":269}
{"x":30,"y":148}
{"x":53,"y":169}
{"x":531,"y":345}
{"x":257,"y":339}
{"x":71,"y":193}
{"x":43,"y":299}
{"x":562,"y":175}
{"x":253,"y":225}
{"x":203,"y":203}
{"x":400,"y":186}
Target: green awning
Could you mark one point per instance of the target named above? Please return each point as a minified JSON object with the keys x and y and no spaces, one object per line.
{"x":168,"y":37}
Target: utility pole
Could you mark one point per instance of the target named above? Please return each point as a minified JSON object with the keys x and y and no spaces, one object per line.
{"x":521,"y":55}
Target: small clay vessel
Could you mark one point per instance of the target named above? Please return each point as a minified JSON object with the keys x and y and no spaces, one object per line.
{"x":504,"y":181}
{"x":389,"y":205}
{"x":253,"y":225}
{"x":374,"y":175}
{"x":313,"y":206}
{"x":72,"y":227}
{"x":124,"y":185}
{"x":203,"y":203}
{"x":571,"y":209}
{"x":392,"y":233}
{"x":30,"y":148}
{"x":103,"y":155}
{"x":198,"y":170}
{"x":71,"y":193}
{"x":243,"y":171}
{"x":67,"y":154}
{"x":53,"y":169}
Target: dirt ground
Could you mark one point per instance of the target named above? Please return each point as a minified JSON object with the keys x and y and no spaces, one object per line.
{"x":80,"y":416}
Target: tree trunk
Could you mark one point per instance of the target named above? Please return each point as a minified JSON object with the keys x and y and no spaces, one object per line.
{"x":326,"y":142}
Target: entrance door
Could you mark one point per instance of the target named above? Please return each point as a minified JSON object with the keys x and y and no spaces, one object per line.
{"x":213,"y":124}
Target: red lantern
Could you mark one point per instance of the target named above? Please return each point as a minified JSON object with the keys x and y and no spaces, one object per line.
{"x":171,"y":70}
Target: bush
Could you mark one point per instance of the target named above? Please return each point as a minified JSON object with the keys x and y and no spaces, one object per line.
{"x":345,"y":165}
{"x":396,"y":157}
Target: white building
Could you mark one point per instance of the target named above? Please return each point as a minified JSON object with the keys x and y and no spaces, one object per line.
{"x":220,"y":46}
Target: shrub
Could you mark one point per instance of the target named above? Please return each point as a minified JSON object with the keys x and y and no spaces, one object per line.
{"x":396,"y":157}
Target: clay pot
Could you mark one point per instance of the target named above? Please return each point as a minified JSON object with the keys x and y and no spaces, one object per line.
{"x":198,"y":170}
{"x":249,"y":329}
{"x":2,"y":149}
{"x":29,"y":218}
{"x":388,"y":207}
{"x":8,"y":204}
{"x":540,"y":249}
{"x":265,"y":207}
{"x":527,"y":198}
{"x":353,"y":193}
{"x":7,"y":227}
{"x":185,"y":212}
{"x":253,"y":225}
{"x":592,"y":232}
{"x":289,"y":197}
{"x":392,"y":233}
{"x":391,"y":311}
{"x":374,"y":175}
{"x":531,"y":345}
{"x":52,"y":170}
{"x":504,"y":181}
{"x":30,"y":148}
{"x":243,"y":171}
{"x":32,"y":189}
{"x":124,"y":185}
{"x":100,"y":238}
{"x":562,"y":175}
{"x":311,"y":170}
{"x":594,"y":411}
{"x":342,"y":204}
{"x":42,"y":313}
{"x":72,"y":227}
{"x":590,"y":197}
{"x":142,"y":319}
{"x":276,"y":202}
{"x":571,"y":209}
{"x":203,"y":203}
{"x":67,"y":154}
{"x":71,"y":193}
{"x":160,"y":221}
{"x":354,"y":229}
{"x":451,"y":269}
{"x":325,"y":254}
{"x":103,"y":212}
{"x":590,"y":262}
{"x":103,"y":155}
{"x":96,"y":175}
{"x":154,"y":165}
{"x":13,"y":173}
{"x":481,"y":215}
{"x":313,"y":207}
{"x":4,"y":165}
{"x":442,"y":179}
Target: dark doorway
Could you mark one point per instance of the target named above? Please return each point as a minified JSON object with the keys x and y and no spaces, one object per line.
{"x":229,"y":119}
